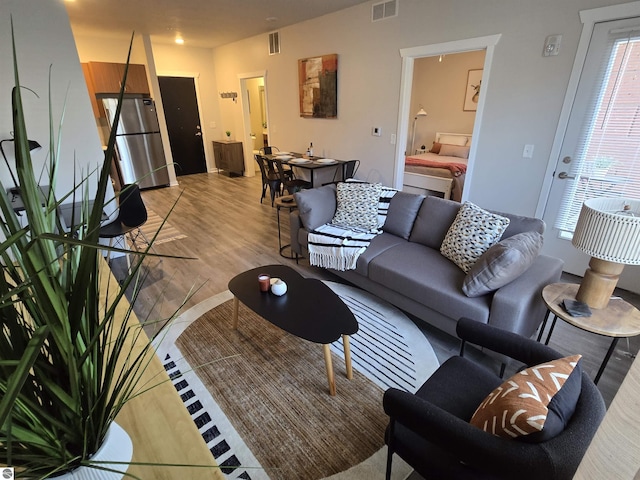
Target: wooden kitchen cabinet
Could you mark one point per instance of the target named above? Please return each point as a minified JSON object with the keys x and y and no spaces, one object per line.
{"x":98,"y":109}
{"x":229,"y":156}
{"x":107,"y":78}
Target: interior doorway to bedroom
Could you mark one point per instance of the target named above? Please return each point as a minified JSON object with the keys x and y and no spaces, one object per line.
{"x":447,"y":88}
{"x":411,"y":58}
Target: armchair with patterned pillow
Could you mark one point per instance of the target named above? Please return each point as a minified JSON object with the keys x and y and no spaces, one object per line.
{"x":467,"y":422}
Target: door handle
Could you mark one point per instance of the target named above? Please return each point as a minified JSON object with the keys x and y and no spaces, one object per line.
{"x":565,"y":176}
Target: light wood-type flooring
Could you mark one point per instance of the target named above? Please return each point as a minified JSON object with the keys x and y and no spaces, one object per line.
{"x":229,"y":231}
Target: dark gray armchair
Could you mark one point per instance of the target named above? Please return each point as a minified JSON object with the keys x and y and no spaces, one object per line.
{"x":430,"y":429}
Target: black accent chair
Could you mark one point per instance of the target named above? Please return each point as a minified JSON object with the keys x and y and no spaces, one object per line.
{"x":132,"y":214}
{"x":270,"y":178}
{"x":430,"y":429}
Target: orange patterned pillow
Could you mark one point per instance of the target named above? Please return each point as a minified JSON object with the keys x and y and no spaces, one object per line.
{"x":533,"y":405}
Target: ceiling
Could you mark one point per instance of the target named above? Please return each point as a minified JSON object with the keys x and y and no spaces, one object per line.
{"x":201,"y":23}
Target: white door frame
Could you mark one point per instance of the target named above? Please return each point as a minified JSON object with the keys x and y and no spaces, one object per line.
{"x":409,"y":55}
{"x":588,"y":18}
{"x":247,"y":141}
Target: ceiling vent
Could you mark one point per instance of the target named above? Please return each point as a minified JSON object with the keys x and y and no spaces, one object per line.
{"x":274,"y":43}
{"x":382,"y":10}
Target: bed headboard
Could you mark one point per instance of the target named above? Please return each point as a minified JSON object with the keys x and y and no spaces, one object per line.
{"x":462,"y":139}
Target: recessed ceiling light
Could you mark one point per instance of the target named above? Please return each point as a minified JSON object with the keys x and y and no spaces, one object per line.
{"x":179,"y":40}
{"x":271,"y":19}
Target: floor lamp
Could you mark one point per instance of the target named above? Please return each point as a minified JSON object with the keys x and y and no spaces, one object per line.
{"x":421,"y":113}
{"x":608,"y":229}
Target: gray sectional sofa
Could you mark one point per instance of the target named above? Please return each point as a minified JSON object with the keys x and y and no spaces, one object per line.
{"x":405,"y":267}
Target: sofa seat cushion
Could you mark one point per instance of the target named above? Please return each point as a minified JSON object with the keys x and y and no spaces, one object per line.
{"x":425,"y":276}
{"x":378,"y":245}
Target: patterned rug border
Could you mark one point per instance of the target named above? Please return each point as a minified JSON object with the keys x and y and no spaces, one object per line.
{"x":168,"y":233}
{"x":235,"y":459}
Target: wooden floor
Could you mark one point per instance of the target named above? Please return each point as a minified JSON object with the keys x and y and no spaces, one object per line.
{"x":229,"y":231}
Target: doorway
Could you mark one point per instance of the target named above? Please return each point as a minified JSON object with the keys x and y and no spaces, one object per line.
{"x":409,"y":56}
{"x":595,"y":150}
{"x":255,"y":117}
{"x":183,"y":124}
{"x":438,"y":110}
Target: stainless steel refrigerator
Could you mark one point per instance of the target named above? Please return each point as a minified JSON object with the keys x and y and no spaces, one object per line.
{"x":138,"y":144}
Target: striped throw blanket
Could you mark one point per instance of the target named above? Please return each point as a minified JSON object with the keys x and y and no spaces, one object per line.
{"x":337,"y":247}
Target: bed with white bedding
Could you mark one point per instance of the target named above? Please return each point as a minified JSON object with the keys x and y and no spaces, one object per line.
{"x":442,"y":169}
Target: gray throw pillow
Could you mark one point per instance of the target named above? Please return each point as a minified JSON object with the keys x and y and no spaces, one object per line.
{"x":402,"y":212}
{"x":502,"y":263}
{"x":316,"y":206}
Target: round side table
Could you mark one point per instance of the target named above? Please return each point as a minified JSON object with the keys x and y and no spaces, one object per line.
{"x":287,"y":202}
{"x":619,"y":319}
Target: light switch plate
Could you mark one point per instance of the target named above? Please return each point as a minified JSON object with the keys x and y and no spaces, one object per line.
{"x":552,"y":45}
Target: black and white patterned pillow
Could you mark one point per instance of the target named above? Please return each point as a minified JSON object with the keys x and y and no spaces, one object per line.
{"x":472,"y":233}
{"x":357,"y":205}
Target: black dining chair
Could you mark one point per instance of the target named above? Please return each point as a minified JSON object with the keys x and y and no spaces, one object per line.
{"x":348,"y":170}
{"x":287,"y":177}
{"x":132,"y":214}
{"x":270,"y":178}
{"x":268,"y":150}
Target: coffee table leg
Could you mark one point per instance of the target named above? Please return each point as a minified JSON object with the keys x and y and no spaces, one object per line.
{"x":236,"y":304}
{"x":329,"y":364}
{"x":347,"y":356}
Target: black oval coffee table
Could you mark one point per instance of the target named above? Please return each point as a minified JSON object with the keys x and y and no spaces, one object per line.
{"x":309,"y":310}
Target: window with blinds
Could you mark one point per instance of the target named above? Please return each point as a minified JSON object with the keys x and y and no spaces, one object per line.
{"x":606,"y":162}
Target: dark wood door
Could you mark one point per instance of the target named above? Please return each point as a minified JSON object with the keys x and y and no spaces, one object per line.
{"x":183,"y":124}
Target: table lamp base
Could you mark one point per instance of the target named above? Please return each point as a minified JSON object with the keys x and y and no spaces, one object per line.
{"x":599,"y":282}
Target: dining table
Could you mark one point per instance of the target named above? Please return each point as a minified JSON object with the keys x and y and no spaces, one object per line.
{"x":309,"y":163}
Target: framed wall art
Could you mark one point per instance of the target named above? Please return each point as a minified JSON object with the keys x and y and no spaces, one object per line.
{"x":472,"y":92}
{"x":318,"y":84}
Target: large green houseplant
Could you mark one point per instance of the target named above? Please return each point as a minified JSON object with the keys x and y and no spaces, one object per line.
{"x":66,"y":364}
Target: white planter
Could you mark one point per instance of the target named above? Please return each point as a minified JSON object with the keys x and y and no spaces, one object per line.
{"x":117,"y":447}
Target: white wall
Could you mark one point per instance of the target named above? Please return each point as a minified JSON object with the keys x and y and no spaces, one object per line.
{"x":523,"y":101}
{"x":439,"y":88}
{"x":43,"y":38}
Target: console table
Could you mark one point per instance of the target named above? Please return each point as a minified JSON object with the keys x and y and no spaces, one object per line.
{"x":229,"y":156}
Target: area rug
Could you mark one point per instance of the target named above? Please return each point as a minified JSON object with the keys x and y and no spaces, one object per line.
{"x":276,"y":420}
{"x":168,"y":233}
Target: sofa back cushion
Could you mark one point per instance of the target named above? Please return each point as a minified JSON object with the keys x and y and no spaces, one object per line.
{"x":520,"y":224}
{"x":437,"y":214}
{"x":433,"y":221}
{"x":402,"y":212}
{"x":316,"y":206}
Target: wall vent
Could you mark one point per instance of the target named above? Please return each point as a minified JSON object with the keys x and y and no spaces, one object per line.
{"x":382,"y":10}
{"x":274,"y":43}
